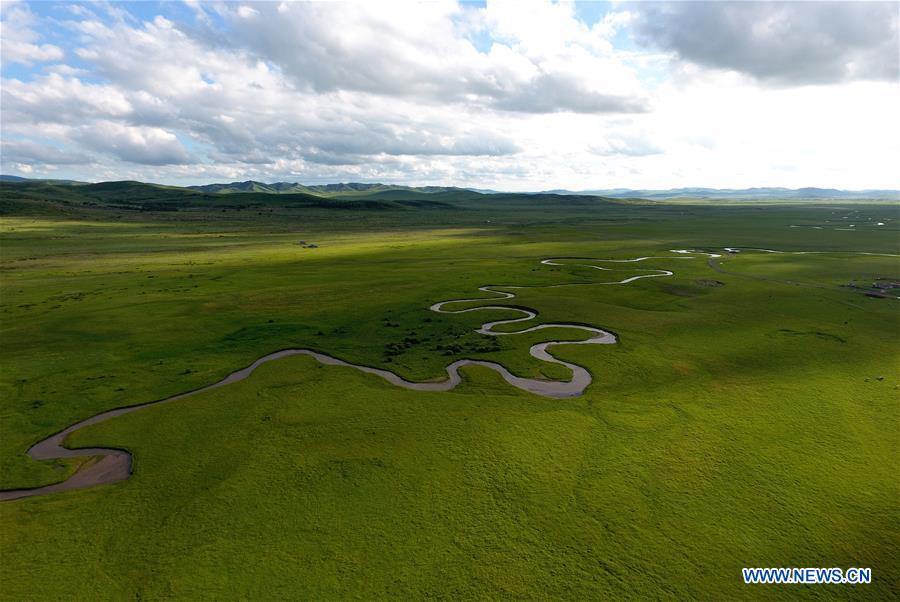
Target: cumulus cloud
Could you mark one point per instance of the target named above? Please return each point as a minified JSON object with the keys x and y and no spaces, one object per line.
{"x":779,"y":42}
{"x":60,"y":99}
{"x":498,"y":96}
{"x":161,"y":81}
{"x":18,"y":39}
{"x":29,"y":152}
{"x":422,"y":51}
{"x":551,"y":93}
{"x":138,"y":144}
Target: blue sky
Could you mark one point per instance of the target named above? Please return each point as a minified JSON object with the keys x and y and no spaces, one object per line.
{"x":514,"y":95}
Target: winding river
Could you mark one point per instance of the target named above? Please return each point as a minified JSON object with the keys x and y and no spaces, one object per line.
{"x":107,"y":465}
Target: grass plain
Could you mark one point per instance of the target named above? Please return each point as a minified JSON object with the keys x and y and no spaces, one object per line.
{"x":748,"y":424}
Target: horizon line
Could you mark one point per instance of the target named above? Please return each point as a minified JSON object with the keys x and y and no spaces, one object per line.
{"x":14,"y":177}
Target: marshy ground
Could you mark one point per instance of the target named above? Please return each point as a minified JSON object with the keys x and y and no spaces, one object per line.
{"x":746,"y":417}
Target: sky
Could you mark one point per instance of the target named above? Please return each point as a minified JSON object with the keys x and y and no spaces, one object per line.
{"x":511,"y":95}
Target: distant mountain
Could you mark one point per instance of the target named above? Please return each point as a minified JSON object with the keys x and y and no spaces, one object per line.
{"x":341,"y":189}
{"x":485,"y":190}
{"x":741,"y":193}
{"x":251,"y":186}
{"x":6,"y":178}
{"x":378,"y":190}
{"x":24,"y":196}
{"x":358,"y":189}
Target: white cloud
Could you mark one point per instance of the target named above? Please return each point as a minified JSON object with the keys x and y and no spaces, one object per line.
{"x":780,"y":42}
{"x":236,"y":104}
{"x":137,"y":144}
{"x":29,"y":152}
{"x":59,"y":99}
{"x":504,"y":97}
{"x":418,"y":50}
{"x":18,"y":39}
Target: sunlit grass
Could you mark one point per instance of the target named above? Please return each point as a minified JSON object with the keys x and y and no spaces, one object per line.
{"x":736,"y":425}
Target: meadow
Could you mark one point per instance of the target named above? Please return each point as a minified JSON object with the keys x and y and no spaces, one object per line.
{"x":747,"y":416}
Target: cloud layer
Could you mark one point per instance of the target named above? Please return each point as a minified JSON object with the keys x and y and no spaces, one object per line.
{"x":785,"y":43}
{"x":440,"y":92}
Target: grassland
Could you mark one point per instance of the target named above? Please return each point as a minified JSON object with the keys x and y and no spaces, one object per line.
{"x":748,"y":424}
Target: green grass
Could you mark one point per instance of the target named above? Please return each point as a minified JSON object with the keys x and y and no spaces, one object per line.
{"x":741,"y":425}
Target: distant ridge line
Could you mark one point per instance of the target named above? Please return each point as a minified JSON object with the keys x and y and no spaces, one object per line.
{"x":755,"y":193}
